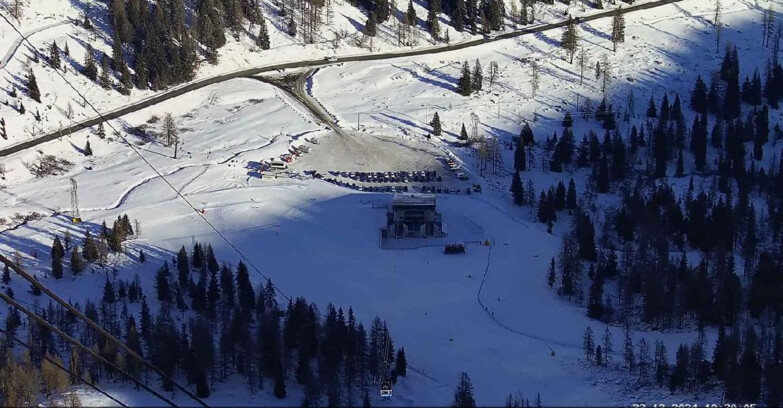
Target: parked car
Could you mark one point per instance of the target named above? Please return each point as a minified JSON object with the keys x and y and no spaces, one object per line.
{"x":454,"y":249}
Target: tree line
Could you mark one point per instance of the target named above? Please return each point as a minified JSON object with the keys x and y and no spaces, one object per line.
{"x":205,"y":321}
{"x":730,"y":216}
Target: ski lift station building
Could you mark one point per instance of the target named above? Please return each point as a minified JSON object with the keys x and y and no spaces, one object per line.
{"x":413,"y":215}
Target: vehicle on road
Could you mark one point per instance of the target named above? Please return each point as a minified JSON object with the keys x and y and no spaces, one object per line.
{"x":278,"y":164}
{"x":454,"y":249}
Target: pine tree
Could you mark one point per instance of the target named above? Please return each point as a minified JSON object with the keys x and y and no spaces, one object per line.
{"x":628,"y":354}
{"x":108,"y":292}
{"x":552,"y":275}
{"x":571,"y":203}
{"x":279,"y":390}
{"x":568,"y":120}
{"x":105,"y":79}
{"x":463,"y":396}
{"x":464,"y":85}
{"x":90,"y":69}
{"x":680,"y":170}
{"x":526,"y":135}
{"x":77,"y":262}
{"x":459,"y":15}
{"x":478,"y":78}
{"x":608,"y":346}
{"x":652,"y":112}
{"x":433,"y":27}
{"x":263,"y":35}
{"x":371,"y":26}
{"x":246,"y":296}
{"x":699,"y":142}
{"x":57,"y":256}
{"x":202,"y":387}
{"x":90,"y":250}
{"x":32,"y":86}
{"x":750,"y":368}
{"x":618,"y":28}
{"x":699,"y":101}
{"x":86,"y":22}
{"x":54,"y":55}
{"x":87,"y":149}
{"x":401,"y":364}
{"x":410,"y":14}
{"x":463,"y":134}
{"x":588,"y":344}
{"x":517,"y":189}
{"x":680,"y":375}
{"x":520,"y":157}
{"x":436,"y":125}
{"x":183,"y":267}
{"x":6,"y":275}
{"x":162,"y":284}
{"x":595,"y":301}
{"x":661,"y":363}
{"x":570,"y":39}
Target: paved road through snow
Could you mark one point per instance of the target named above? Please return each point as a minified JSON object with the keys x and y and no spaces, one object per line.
{"x":15,"y":46}
{"x":183,"y":89}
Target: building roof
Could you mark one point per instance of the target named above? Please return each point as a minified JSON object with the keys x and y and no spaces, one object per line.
{"x":413,"y":200}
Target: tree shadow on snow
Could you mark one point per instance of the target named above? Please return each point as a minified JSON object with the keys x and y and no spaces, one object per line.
{"x":598,"y":33}
{"x":444,"y":81}
{"x":98,"y":13}
{"x":36,"y":255}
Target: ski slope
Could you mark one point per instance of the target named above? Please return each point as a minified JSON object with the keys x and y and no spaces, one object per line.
{"x":488,"y":312}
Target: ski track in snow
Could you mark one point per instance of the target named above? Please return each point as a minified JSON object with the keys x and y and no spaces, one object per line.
{"x":187,"y":183}
{"x":124,"y":197}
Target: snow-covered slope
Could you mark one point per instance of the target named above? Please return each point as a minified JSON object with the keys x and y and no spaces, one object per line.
{"x":321,"y":241}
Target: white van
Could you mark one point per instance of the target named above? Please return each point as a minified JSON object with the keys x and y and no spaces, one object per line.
{"x":278,"y":164}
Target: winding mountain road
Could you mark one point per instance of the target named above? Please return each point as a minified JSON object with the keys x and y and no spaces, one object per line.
{"x":198,"y":84}
{"x":15,"y":46}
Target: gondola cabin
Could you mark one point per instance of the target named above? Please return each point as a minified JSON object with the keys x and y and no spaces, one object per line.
{"x":386,"y":390}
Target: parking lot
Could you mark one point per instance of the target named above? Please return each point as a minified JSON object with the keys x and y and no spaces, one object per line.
{"x":393,"y":182}
{"x":378,"y":163}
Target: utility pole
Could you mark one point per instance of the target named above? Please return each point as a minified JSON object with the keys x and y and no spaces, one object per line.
{"x":357,"y":121}
{"x":176,"y":145}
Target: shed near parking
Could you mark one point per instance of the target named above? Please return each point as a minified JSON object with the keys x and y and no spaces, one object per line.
{"x":413,"y":215}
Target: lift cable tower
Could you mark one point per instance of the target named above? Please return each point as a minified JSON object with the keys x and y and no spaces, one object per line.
{"x":75,"y":216}
{"x":386,"y":388}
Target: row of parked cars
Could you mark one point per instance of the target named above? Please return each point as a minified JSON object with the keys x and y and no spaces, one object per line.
{"x":450,"y":190}
{"x":424,"y":176}
{"x":285,"y":158}
{"x":456,"y":168}
{"x":341,"y":183}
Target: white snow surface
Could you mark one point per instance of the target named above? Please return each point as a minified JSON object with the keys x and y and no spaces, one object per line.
{"x":321,"y":241}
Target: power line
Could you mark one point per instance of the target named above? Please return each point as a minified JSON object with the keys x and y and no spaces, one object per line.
{"x":61,"y":367}
{"x":81,"y":346}
{"x":158,"y":173}
{"x":94,"y":326}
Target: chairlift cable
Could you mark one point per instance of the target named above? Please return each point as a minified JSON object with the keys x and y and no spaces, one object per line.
{"x":61,"y":367}
{"x":100,"y":330}
{"x":82,"y":347}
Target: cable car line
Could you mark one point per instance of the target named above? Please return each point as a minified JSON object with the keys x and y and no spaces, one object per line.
{"x":61,"y":367}
{"x":81,"y":346}
{"x":100,"y":330}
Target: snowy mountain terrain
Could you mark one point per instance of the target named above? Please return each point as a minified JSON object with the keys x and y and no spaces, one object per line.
{"x":490,"y":312}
